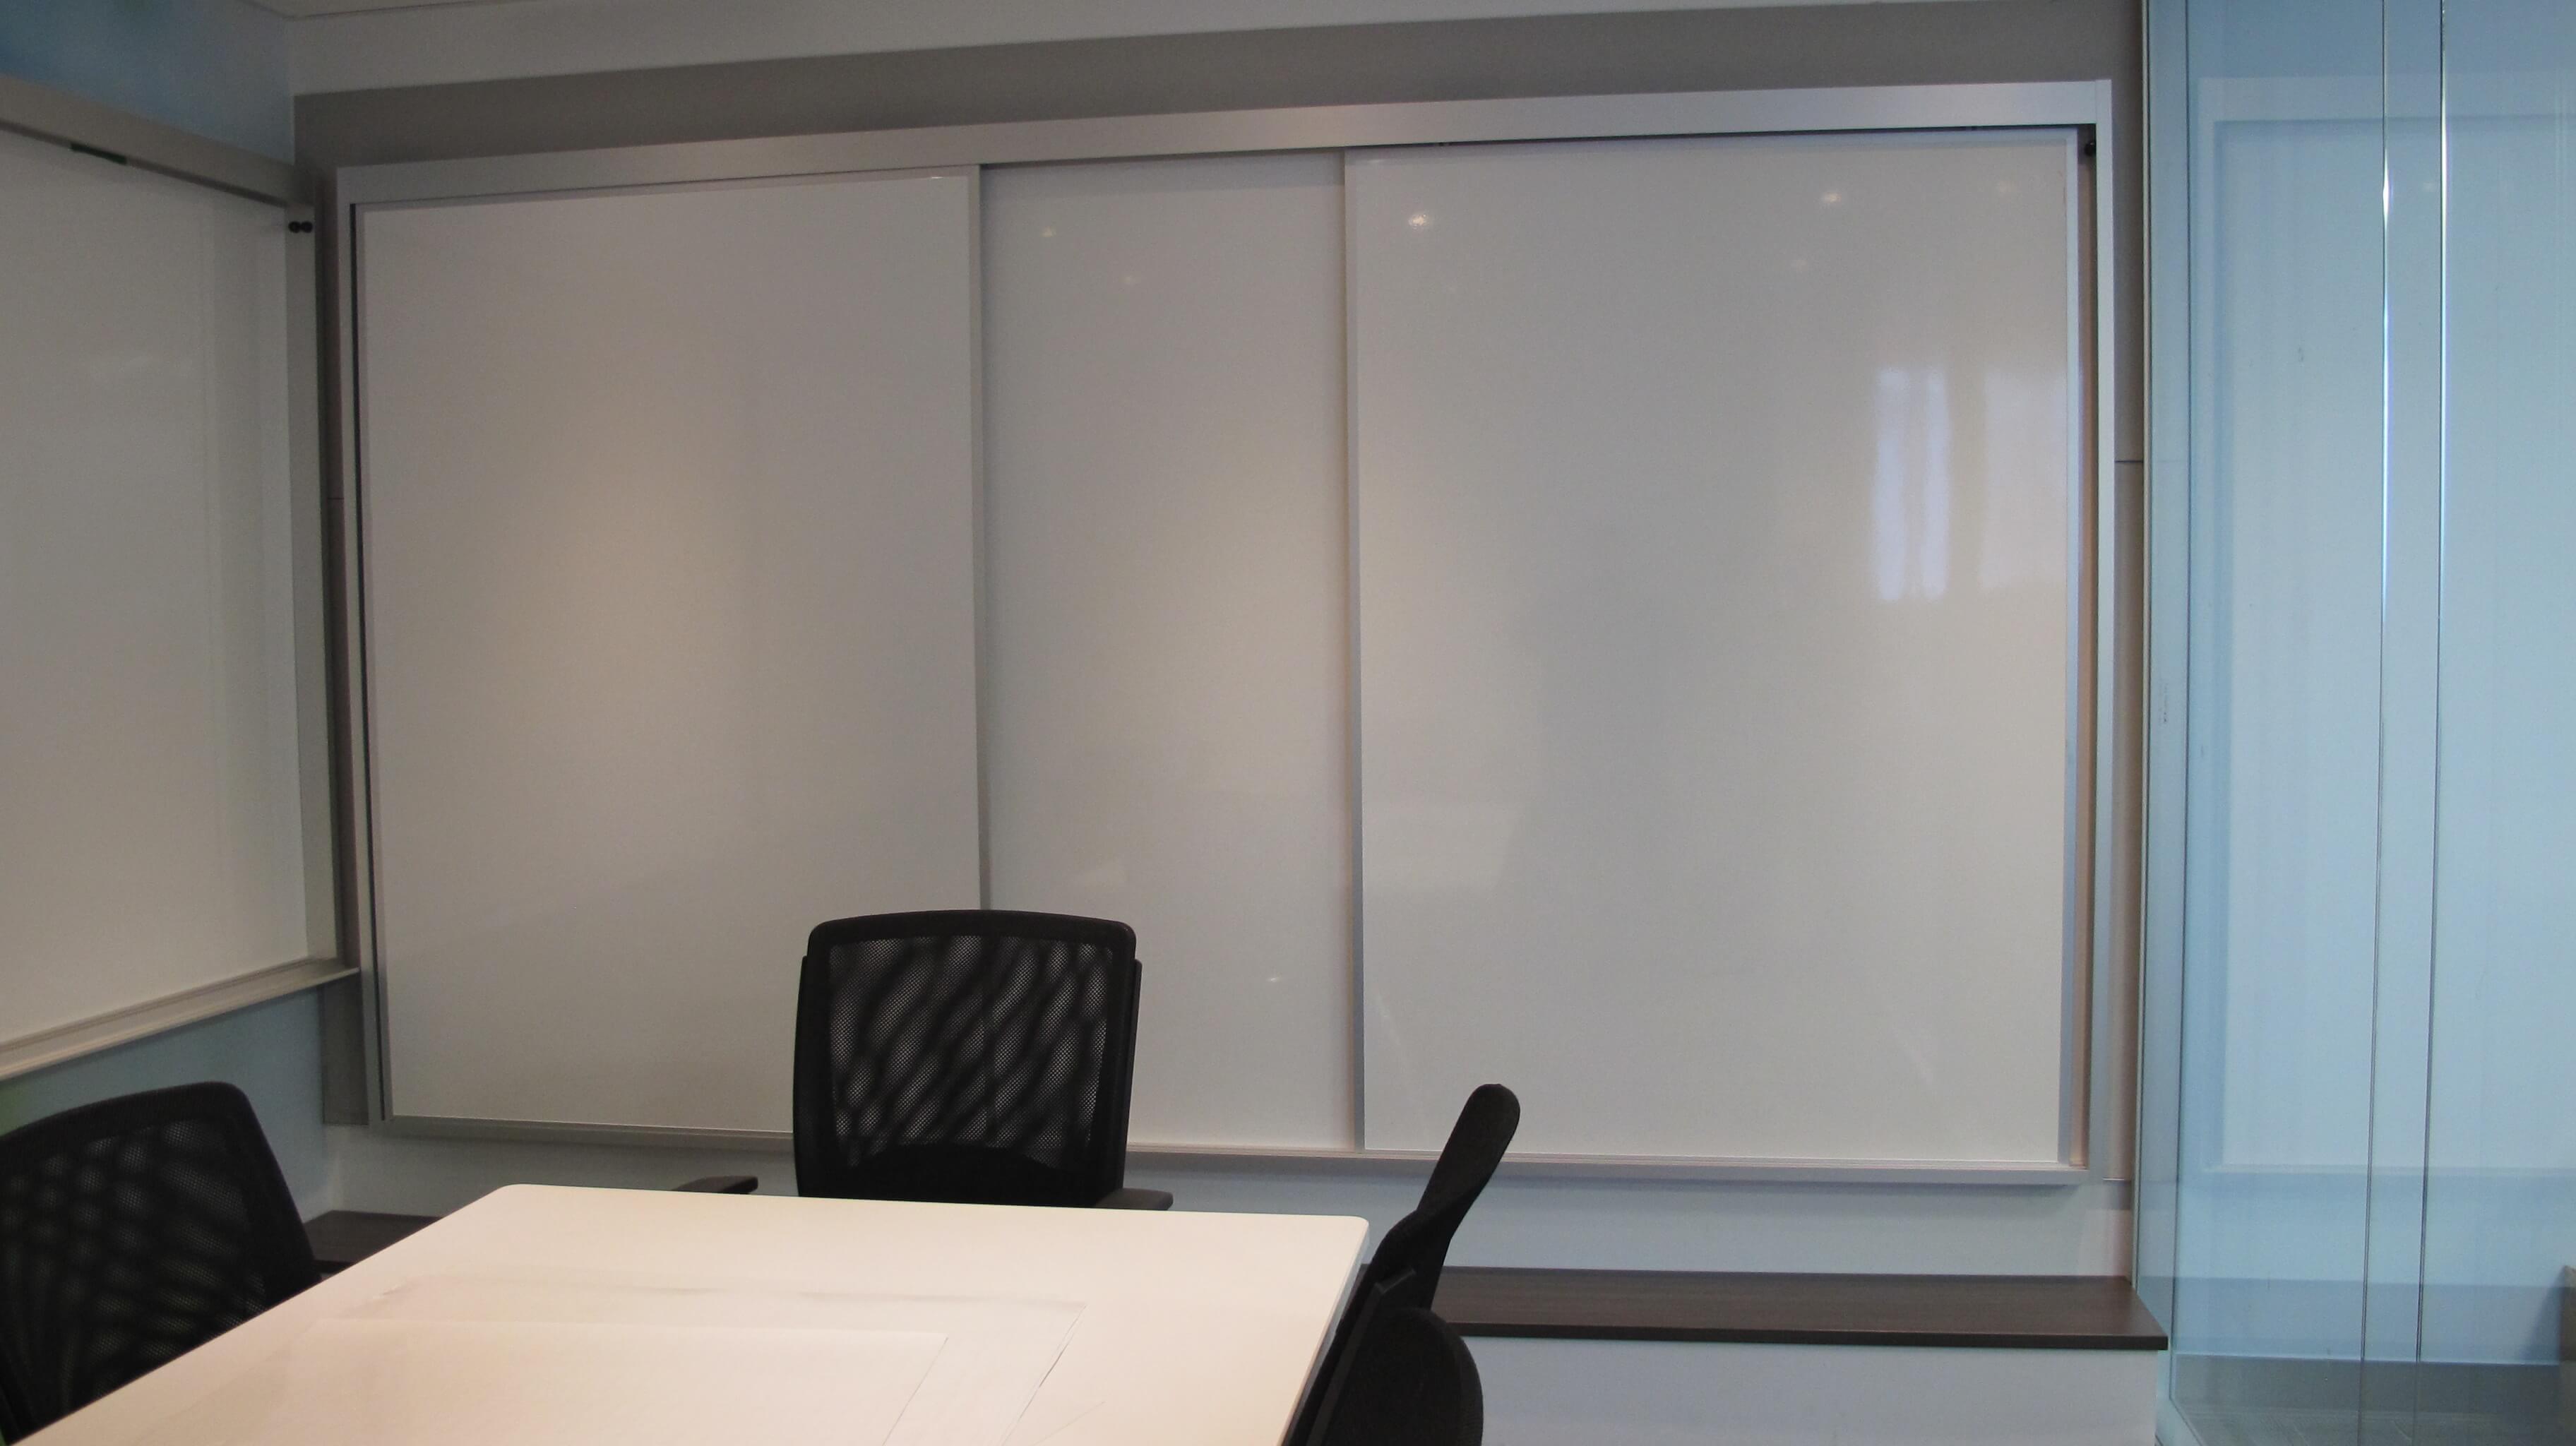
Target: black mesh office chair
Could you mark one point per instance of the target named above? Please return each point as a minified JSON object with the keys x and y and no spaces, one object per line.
{"x":1411,"y":1382}
{"x":1404,"y":1274}
{"x":975,"y":1056}
{"x":131,"y":1231}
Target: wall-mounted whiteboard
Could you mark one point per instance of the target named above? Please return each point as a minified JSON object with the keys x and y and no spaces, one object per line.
{"x":669,"y":554}
{"x":151,"y":814}
{"x":1713,"y":531}
{"x":1167,"y":716}
{"x":1600,"y":616}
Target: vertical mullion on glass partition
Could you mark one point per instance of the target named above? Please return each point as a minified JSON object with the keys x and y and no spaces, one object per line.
{"x":2411,"y":479}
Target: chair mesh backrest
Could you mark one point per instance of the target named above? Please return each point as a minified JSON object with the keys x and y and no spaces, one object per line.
{"x":1411,"y":1382}
{"x":1405,"y":1271}
{"x":131,"y":1231}
{"x":980,"y":1056}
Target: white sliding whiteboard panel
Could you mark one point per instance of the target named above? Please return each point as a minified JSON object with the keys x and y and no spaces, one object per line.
{"x":1165,"y":540}
{"x":669,"y":554}
{"x":151,"y":836}
{"x":1713,"y":538}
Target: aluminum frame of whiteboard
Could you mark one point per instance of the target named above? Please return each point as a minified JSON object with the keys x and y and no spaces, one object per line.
{"x":48,"y":114}
{"x":2085,"y":1104}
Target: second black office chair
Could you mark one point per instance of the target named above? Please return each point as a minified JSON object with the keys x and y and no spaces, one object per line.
{"x":975,"y":1056}
{"x":1385,"y":1377}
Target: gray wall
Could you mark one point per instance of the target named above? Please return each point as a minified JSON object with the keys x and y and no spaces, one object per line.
{"x":268,"y":1050}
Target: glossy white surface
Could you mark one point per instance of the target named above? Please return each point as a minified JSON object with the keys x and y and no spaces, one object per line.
{"x":401,"y":1382}
{"x":669,"y":527}
{"x":1173,"y":1326}
{"x":1165,"y":541}
{"x":150,"y":817}
{"x":1714,"y":660}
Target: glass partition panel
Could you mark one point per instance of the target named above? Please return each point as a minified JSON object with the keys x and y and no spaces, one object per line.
{"x":2285,"y":541}
{"x":2500,"y":1190}
{"x":2357,"y":1190}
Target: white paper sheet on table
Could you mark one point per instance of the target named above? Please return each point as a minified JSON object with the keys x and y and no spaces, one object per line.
{"x":463,"y":1359}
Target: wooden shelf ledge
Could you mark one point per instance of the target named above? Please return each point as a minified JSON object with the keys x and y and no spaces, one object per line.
{"x":1994,"y":1312}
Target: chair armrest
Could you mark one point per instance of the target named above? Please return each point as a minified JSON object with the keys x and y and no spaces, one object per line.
{"x":721,"y":1185}
{"x":1132,"y":1198}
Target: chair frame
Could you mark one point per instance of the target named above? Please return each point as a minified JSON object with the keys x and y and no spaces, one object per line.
{"x":1404,"y":1271}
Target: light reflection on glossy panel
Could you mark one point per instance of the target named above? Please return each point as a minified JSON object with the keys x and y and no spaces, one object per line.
{"x":149,"y":804}
{"x":1713,"y":546}
{"x":1165,"y":541}
{"x":669,"y":509}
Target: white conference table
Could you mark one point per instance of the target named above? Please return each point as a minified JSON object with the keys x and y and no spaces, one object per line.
{"x":542,"y":1313}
